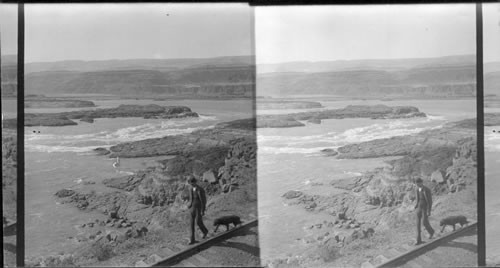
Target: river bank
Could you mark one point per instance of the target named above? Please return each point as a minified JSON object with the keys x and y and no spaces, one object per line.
{"x":371,"y":213}
{"x":142,"y":209}
{"x":9,"y":193}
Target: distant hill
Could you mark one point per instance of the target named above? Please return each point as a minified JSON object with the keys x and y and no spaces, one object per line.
{"x":9,"y":75}
{"x":423,"y":80}
{"x":9,"y":60}
{"x":135,"y":64}
{"x":492,"y":83}
{"x":216,"y":77}
{"x":369,"y":64}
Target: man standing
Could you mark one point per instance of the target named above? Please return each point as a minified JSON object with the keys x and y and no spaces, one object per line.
{"x":197,"y":202}
{"x":423,"y":208}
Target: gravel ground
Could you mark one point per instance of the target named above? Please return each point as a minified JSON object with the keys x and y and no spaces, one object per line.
{"x":9,"y":251}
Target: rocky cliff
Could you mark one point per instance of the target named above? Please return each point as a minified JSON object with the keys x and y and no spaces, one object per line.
{"x":421,"y":81}
{"x":203,"y":81}
{"x":9,"y":80}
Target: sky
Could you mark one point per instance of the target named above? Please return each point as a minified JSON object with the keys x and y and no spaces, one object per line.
{"x":8,"y":28}
{"x":56,"y":32}
{"x":324,"y":33}
{"x":491,"y":32}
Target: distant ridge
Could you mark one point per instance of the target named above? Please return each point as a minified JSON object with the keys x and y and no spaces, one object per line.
{"x":220,"y":77}
{"x":385,"y":64}
{"x":9,"y":59}
{"x":138,"y":64}
{"x":442,"y":77}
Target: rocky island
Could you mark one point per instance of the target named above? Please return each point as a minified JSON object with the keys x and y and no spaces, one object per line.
{"x":67,"y":118}
{"x":351,"y":111}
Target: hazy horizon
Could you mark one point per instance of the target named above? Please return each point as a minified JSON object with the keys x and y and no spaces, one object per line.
{"x":95,"y":32}
{"x":319,"y":61}
{"x":329,"y":33}
{"x":131,"y":59}
{"x":8,"y":29}
{"x":491,"y":32}
{"x":369,"y":59}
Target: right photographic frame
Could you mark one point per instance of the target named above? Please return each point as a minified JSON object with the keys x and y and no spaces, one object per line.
{"x":367,"y":135}
{"x":491,"y":54}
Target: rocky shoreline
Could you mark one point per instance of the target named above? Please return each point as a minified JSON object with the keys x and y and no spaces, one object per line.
{"x":351,"y":111}
{"x":150,"y":204}
{"x":374,"y":211}
{"x":9,"y":194}
{"x":151,"y":111}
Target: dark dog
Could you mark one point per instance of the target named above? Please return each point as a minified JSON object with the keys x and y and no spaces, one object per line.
{"x":452,"y":220}
{"x":226,"y":220}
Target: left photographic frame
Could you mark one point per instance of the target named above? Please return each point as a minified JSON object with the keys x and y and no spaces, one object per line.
{"x":8,"y":78}
{"x":140,"y":135}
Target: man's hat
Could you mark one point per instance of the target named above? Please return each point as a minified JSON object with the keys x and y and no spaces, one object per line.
{"x":191,"y":179}
{"x":419,"y":180}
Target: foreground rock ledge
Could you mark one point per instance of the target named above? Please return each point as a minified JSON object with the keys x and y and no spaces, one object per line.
{"x":351,"y":111}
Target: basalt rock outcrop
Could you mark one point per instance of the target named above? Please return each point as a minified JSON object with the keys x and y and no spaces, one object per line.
{"x":426,"y":142}
{"x":219,"y":137}
{"x":383,"y":200}
{"x":351,"y":111}
{"x":230,"y":157}
{"x":9,"y":173}
{"x":144,"y":111}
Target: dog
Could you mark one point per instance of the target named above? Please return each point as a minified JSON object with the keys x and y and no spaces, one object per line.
{"x":226,"y":220}
{"x":452,"y":220}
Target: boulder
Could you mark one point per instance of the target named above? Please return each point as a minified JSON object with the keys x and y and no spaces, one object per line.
{"x":102,"y":151}
{"x":437,"y":177}
{"x":311,"y":206}
{"x":87,"y":119}
{"x":356,"y":234}
{"x":153,"y":259}
{"x":329,"y":152}
{"x":141,"y":264}
{"x":209,"y":176}
{"x":314,"y":120}
{"x":112,"y":236}
{"x":367,"y":231}
{"x":64,"y":193}
{"x":292,"y":194}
